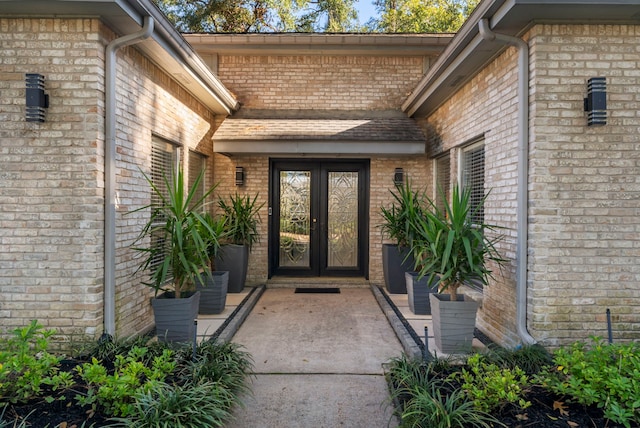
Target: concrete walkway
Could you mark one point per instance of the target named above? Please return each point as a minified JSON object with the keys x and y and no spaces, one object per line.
{"x":318,"y":361}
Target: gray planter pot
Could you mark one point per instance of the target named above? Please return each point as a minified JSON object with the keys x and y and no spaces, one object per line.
{"x":418,"y":292}
{"x":394,"y":266}
{"x":213,"y":293}
{"x":174,"y":317}
{"x":453,"y":322}
{"x":234,"y":259}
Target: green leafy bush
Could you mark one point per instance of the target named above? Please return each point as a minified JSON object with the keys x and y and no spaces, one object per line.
{"x":26,"y":365}
{"x":491,"y":387}
{"x":428,"y":399}
{"x":115,"y":392}
{"x":606,"y":375}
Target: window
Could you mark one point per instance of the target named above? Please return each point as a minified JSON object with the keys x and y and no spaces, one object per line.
{"x":442,"y":180}
{"x":164,"y":161}
{"x":197,"y":162}
{"x":472,"y":177}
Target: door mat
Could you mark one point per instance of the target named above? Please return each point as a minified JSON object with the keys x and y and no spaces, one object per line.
{"x":317,"y":290}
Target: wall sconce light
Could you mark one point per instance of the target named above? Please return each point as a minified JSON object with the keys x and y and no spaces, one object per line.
{"x":36,"y":99}
{"x":239,"y":176}
{"x":596,"y":102}
{"x":398,"y":176}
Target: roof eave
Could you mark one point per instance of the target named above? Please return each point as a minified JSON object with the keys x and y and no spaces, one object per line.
{"x":468,"y":53}
{"x":166,"y":47}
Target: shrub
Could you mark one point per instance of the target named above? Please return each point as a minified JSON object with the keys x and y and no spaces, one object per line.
{"x":428,"y":407}
{"x":199,"y":405}
{"x":491,"y":387}
{"x":115,"y":392}
{"x":26,"y":365}
{"x":605,"y":375}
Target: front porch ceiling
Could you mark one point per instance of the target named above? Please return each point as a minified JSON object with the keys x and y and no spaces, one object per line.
{"x":376,"y":136}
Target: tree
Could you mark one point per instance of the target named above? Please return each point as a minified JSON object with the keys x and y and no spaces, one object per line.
{"x":255,"y":16}
{"x":421,"y":16}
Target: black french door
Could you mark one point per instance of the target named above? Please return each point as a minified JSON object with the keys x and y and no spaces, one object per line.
{"x":318,"y":217}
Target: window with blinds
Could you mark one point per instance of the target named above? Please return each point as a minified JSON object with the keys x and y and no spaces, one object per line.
{"x":164,"y":161}
{"x":442,"y":180}
{"x":472,"y":169}
{"x":197,"y":163}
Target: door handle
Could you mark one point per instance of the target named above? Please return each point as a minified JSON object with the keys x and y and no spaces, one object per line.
{"x":314,"y":222}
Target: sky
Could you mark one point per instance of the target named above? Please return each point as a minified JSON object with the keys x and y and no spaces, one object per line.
{"x":366,"y":10}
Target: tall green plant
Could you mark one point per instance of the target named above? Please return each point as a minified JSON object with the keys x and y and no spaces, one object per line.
{"x":242,"y":216}
{"x":399,"y":218}
{"x":177,"y":222}
{"x":448,"y":244}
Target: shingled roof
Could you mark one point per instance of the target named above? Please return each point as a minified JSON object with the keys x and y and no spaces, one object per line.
{"x":398,"y":135}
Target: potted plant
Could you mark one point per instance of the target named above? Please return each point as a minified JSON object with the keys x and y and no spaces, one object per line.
{"x":397,"y":223}
{"x":241,"y":215}
{"x":213,"y":287}
{"x":455,"y":246}
{"x":174,"y":242}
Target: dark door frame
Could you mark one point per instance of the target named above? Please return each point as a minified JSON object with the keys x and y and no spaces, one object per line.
{"x":321,"y":167}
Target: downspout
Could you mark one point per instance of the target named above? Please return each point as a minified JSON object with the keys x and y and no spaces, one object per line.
{"x":110,"y":172}
{"x":523,"y":175}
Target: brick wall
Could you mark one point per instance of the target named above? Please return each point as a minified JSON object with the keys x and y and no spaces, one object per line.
{"x":489,"y":104}
{"x":320,"y":81}
{"x":52,"y":173}
{"x":51,"y":213}
{"x":585,"y":187}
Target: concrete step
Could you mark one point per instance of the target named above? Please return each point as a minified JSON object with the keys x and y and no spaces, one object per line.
{"x":317,"y":282}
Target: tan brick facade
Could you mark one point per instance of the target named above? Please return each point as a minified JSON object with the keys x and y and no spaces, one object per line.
{"x":52,"y":173}
{"x":584,"y":192}
{"x":332,"y":83}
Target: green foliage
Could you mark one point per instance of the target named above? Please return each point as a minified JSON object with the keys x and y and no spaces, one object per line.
{"x":241,"y":216}
{"x":178,"y":223}
{"x":399,"y":219}
{"x":256,"y":16}
{"x":429,"y":407}
{"x":26,"y":365}
{"x":429,"y":399}
{"x":491,"y":387}
{"x":222,"y":363}
{"x":607,"y":375}
{"x":205,"y":404}
{"x":115,"y":392}
{"x":419,"y":16}
{"x":449,"y":245}
{"x":531,"y":359}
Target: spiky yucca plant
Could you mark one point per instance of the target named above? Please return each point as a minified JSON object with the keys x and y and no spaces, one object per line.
{"x":449,"y":244}
{"x":177,"y":221}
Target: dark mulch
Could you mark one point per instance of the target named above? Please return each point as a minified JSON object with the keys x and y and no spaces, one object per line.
{"x":549,"y":411}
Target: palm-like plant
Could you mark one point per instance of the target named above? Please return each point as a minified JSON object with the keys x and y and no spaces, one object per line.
{"x":242,"y":216}
{"x":447,"y":243}
{"x":399,"y":219}
{"x":177,"y":234}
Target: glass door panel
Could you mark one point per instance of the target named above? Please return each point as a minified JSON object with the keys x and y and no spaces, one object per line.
{"x":342,"y":219}
{"x":318,"y":220}
{"x":295,"y":219}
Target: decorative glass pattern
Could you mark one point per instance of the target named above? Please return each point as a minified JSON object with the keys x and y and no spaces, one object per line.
{"x":342,"y":219}
{"x":295,"y":218}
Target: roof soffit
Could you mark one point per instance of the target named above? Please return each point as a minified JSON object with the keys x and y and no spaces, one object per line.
{"x":468,"y":52}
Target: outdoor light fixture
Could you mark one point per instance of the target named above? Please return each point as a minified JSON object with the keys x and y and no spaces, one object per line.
{"x":239,"y":176}
{"x":596,"y":102}
{"x":36,"y":99}
{"x":398,"y":176}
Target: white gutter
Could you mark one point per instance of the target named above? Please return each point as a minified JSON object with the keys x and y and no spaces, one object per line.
{"x":110,"y":171}
{"x":523,"y":175}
